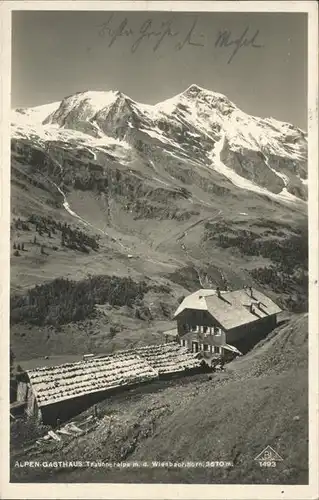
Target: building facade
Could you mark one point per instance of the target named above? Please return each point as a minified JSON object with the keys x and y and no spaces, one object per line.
{"x":210,"y":319}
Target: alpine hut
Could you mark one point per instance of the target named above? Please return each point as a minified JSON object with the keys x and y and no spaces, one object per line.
{"x":214,"y":320}
{"x":60,"y":392}
{"x":52,"y":393}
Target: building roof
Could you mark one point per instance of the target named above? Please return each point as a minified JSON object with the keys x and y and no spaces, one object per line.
{"x":196,"y":300}
{"x":232,"y":348}
{"x":208,"y":356}
{"x":71,"y":380}
{"x":168,"y":358}
{"x":233,"y":308}
{"x":52,"y":384}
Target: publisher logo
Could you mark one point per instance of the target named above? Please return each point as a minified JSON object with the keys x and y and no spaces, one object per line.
{"x":268,"y":457}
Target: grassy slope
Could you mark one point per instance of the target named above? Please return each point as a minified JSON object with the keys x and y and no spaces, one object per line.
{"x":160,"y":240}
{"x":261,"y":400}
{"x":164,"y":250}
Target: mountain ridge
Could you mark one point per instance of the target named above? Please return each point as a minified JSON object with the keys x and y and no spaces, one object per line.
{"x":189,"y":125}
{"x":193,"y":91}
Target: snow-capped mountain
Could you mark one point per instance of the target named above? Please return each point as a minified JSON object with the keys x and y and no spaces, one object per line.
{"x":191,"y":190}
{"x":198,"y":126}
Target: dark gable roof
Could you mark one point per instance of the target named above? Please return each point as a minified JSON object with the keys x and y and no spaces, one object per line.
{"x":232,"y":309}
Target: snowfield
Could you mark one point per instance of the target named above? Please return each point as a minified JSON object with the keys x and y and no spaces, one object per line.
{"x":29,"y":126}
{"x":34,"y":115}
{"x":244,"y":183}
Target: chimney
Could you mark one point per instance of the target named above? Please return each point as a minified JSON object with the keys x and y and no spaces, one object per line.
{"x":251,"y":291}
{"x":259,"y":305}
{"x":251,"y":308}
{"x":218,"y":292}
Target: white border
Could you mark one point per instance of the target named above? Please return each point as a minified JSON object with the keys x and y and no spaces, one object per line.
{"x":161,"y":491}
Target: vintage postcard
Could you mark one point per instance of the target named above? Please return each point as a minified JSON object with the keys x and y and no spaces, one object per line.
{"x":159,"y":216}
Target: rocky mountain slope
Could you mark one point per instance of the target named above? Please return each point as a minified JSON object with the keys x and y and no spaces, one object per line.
{"x":186,"y":193}
{"x":197,"y":125}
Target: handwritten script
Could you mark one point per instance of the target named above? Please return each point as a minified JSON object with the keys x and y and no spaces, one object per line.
{"x":225,"y":39}
{"x":113,"y":31}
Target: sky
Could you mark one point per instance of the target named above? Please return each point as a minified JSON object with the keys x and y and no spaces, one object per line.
{"x":58,"y":53}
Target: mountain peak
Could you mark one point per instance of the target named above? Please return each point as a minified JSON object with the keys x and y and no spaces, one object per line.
{"x":194,"y":88}
{"x":84,"y":105}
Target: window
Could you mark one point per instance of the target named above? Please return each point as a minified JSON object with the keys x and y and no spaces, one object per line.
{"x":205,"y":329}
{"x":206,"y":347}
{"x":194,"y":328}
{"x":216,"y":349}
{"x":195,"y":346}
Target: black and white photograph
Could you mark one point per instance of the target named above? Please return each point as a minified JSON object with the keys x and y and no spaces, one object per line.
{"x":159,"y":246}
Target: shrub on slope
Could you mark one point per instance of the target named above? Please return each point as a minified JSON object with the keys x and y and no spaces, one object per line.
{"x":62,"y":301}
